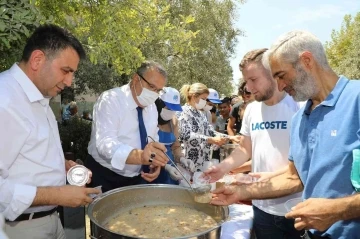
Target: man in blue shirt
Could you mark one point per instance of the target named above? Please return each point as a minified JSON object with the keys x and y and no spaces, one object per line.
{"x":323,"y":135}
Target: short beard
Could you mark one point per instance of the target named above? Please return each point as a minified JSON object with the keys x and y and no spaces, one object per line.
{"x":304,"y":85}
{"x":268,"y":93}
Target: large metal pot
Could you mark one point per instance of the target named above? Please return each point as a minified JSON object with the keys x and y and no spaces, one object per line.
{"x":226,"y":150}
{"x":122,"y":199}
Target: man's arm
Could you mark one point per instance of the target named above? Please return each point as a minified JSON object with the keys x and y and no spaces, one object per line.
{"x":15,"y":197}
{"x":238,"y":156}
{"x":230,"y":126}
{"x":321,"y":213}
{"x":246,"y":167}
{"x":261,"y":176}
{"x":278,"y":186}
{"x":107,"y":114}
{"x":138,"y":156}
{"x":67,"y":196}
{"x":281,"y":185}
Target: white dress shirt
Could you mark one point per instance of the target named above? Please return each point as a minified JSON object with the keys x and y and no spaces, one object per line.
{"x":2,"y":233}
{"x":30,"y":150}
{"x":115,"y":130}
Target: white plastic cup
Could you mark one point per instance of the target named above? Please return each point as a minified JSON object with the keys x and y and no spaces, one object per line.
{"x":289,"y":204}
{"x":93,"y":195}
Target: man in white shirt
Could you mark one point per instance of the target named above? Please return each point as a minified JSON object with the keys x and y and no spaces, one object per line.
{"x":266,"y":139}
{"x":32,"y":164}
{"x":115,"y":150}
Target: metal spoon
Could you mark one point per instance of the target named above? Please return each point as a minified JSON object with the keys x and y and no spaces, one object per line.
{"x":199,"y":190}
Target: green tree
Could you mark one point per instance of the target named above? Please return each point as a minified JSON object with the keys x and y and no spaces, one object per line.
{"x":343,"y":51}
{"x":213,"y":46}
{"x":192,"y":39}
{"x":114,"y":31}
{"x":91,"y":78}
{"x":18,"y":18}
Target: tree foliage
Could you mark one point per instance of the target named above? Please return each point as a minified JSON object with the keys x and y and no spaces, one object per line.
{"x":213,"y":46}
{"x":18,"y":18}
{"x":343,"y":50}
{"x":75,"y":136}
{"x":114,"y":31}
{"x":193,"y":39}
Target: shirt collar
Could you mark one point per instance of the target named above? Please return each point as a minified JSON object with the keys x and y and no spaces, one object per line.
{"x":333,"y":97}
{"x":31,"y":91}
{"x":129,"y":97}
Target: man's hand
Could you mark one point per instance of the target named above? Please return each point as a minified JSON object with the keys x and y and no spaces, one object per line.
{"x":315,"y":213}
{"x":75,"y":196}
{"x":188,"y":163}
{"x":69,"y":164}
{"x":218,"y":140}
{"x":215,"y":173}
{"x":152,"y":175}
{"x":235,"y":139}
{"x":225,"y":195}
{"x":157,"y":150}
{"x":174,"y":174}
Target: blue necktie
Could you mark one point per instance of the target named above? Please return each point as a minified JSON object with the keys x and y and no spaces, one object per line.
{"x":143,"y":135}
{"x":142,"y":129}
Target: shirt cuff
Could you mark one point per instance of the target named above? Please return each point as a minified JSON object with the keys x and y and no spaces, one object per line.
{"x":118,"y":160}
{"x":22,"y":199}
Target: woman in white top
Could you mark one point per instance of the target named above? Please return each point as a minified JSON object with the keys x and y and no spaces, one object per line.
{"x":195,"y":132}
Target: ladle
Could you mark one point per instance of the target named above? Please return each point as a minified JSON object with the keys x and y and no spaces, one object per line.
{"x":200,"y":189}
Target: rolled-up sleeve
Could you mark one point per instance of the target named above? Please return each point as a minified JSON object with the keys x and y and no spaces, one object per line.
{"x":15,"y":198}
{"x":108,"y":113}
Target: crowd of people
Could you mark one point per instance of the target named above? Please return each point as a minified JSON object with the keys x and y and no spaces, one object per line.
{"x":140,"y":130}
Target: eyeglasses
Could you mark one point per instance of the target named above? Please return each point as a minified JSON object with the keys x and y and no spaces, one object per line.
{"x":152,"y":87}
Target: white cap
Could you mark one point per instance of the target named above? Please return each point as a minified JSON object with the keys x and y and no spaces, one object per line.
{"x":214,"y":96}
{"x":171,"y":98}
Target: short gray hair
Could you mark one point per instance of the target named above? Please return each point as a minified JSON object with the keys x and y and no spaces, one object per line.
{"x":145,"y":66}
{"x":291,"y":45}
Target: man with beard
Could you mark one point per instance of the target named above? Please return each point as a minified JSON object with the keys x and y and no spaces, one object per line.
{"x":321,"y":153}
{"x":265,"y":138}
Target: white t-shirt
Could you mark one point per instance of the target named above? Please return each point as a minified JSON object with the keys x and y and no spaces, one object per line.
{"x":269,"y":129}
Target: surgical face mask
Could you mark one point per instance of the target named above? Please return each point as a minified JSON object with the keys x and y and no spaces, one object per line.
{"x":147,"y":97}
{"x":167,"y":114}
{"x":208,"y":107}
{"x":201,"y":104}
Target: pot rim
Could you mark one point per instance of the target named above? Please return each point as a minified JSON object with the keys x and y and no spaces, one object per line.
{"x":93,"y":203}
